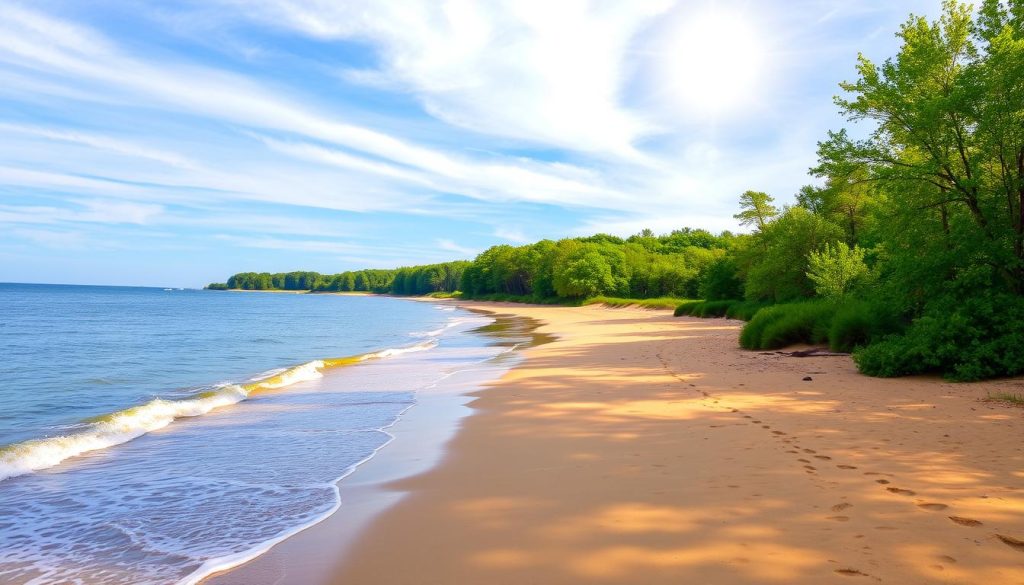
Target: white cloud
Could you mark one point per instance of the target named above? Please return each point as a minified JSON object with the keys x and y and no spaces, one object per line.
{"x":451,"y":246}
{"x":101,"y":211}
{"x":95,"y":64}
{"x":102,"y":142}
{"x":512,"y":234}
{"x":54,"y":239}
{"x":551,"y":73}
{"x":269,"y":243}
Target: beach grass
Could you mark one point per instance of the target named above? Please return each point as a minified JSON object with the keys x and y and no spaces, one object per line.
{"x":658,"y":303}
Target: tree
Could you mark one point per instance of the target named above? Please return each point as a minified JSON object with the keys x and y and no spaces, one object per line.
{"x":948,"y":143}
{"x":776,"y":270}
{"x":837,"y":269}
{"x":756,"y":209}
{"x":583,"y":276}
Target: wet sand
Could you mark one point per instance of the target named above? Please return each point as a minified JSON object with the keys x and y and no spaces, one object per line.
{"x":641,"y":448}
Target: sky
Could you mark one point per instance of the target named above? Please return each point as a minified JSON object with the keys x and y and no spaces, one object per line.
{"x":175,"y":143}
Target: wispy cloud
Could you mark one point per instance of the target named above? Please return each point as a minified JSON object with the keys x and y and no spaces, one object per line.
{"x":450,"y":246}
{"x":562,"y":64}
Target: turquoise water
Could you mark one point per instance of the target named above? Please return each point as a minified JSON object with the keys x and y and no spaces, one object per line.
{"x":151,"y":435}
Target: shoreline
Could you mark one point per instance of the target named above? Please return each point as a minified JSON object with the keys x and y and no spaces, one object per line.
{"x":641,"y":448}
{"x":416,"y":444}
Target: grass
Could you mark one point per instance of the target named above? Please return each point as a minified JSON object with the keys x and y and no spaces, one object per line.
{"x":1009,"y":397}
{"x":445,"y":295}
{"x":743,"y":310}
{"x":781,"y":325}
{"x":663,"y":302}
{"x":658,"y":303}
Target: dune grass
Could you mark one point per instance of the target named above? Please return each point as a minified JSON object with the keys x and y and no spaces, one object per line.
{"x":743,"y":310}
{"x":658,"y":303}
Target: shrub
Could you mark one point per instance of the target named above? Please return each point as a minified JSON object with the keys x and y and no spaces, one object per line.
{"x":720,"y":281}
{"x":963,"y":339}
{"x":782,"y":325}
{"x":744,"y":310}
{"x":713,"y":308}
{"x":686,"y":308}
{"x":860,"y":323}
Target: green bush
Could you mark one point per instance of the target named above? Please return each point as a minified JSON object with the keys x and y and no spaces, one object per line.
{"x":713,"y":308}
{"x":720,"y":281}
{"x":851,"y":327}
{"x":687,"y":308}
{"x":744,"y":310}
{"x":782,"y":325}
{"x":860,"y":323}
{"x":962,"y":339}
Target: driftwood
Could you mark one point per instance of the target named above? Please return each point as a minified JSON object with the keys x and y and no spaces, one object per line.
{"x":812,"y":352}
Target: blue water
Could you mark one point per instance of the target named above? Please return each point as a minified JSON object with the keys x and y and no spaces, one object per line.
{"x":212,"y":467}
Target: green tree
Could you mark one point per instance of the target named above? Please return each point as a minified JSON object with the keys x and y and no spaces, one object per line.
{"x":756,"y":209}
{"x":837,"y":269}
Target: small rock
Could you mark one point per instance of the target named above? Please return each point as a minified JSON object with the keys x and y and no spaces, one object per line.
{"x":807,"y":378}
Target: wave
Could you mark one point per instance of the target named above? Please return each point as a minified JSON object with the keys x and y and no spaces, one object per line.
{"x":124,"y":425}
{"x":453,"y":322}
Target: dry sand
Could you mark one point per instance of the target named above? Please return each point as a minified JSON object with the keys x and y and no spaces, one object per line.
{"x":640,"y":448}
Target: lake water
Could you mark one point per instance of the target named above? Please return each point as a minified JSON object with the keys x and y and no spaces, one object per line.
{"x":155,"y":435}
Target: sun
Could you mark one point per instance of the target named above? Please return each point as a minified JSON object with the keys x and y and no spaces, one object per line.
{"x":714,"y":62}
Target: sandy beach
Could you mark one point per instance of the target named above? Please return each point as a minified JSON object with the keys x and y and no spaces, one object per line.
{"x":642,"y":448}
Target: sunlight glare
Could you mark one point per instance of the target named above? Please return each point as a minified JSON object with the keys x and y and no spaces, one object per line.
{"x":714,"y":62}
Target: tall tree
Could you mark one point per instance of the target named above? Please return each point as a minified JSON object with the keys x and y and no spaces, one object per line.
{"x":756,"y":209}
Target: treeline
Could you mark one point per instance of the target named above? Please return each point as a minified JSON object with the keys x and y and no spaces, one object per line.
{"x":641,"y":266}
{"x":416,"y":280}
{"x":908,"y":249}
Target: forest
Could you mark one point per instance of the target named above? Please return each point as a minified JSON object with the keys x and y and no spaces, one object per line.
{"x":907,"y":248}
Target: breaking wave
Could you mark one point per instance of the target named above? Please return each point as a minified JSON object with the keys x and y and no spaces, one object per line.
{"x":124,"y":425}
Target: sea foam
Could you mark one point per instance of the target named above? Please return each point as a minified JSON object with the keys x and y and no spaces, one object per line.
{"x":124,"y":425}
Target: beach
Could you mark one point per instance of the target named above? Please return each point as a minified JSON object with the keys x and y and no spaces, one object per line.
{"x":641,"y":448}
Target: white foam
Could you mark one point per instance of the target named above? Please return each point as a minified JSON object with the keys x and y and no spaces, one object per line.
{"x":401,"y":350}
{"x":282,"y":378}
{"x":452,"y":322}
{"x":119,"y":428}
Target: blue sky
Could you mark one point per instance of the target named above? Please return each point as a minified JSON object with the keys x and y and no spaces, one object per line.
{"x":176,"y":144}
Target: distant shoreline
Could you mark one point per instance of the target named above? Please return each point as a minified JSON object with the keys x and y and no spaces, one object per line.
{"x":303,"y":292}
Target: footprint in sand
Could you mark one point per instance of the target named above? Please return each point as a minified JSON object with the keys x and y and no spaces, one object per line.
{"x":946,"y":559}
{"x":882,"y":481}
{"x":1012,"y":542}
{"x":802,"y":460}
{"x":851,"y":572}
{"x":933,"y":507}
{"x":842,"y":506}
{"x":756,"y":422}
{"x":839,"y":518}
{"x":965,"y":521}
{"x":846,"y":466}
{"x":901,"y":491}
{"x":811,"y":467}
{"x":778,"y":433}
{"x":822,"y":457}
{"x":809,"y":451}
